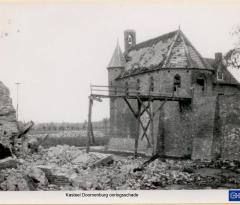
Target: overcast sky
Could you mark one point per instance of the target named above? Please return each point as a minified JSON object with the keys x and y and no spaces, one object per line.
{"x":57,"y":50}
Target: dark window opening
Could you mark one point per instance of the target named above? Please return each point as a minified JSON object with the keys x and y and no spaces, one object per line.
{"x":130,"y":40}
{"x":151,"y":84}
{"x":220,"y":75}
{"x":201,"y":82}
{"x":177,"y":82}
{"x":138,"y":84}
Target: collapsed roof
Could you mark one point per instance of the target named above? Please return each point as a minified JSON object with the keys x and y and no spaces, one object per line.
{"x":171,"y":50}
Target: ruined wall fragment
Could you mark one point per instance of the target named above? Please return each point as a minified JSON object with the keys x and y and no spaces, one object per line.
{"x":8,"y":122}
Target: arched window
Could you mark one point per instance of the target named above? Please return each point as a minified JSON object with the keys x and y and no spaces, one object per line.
{"x":219,"y":75}
{"x":201,"y":80}
{"x":177,"y":82}
{"x":130,"y":40}
{"x":151,"y":88}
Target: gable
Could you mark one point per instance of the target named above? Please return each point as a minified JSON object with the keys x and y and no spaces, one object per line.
{"x":178,"y":56}
{"x":228,"y":78}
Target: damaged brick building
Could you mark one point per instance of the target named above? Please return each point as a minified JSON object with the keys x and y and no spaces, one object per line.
{"x":200,"y":119}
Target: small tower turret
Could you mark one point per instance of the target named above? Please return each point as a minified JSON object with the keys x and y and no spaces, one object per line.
{"x":116,"y":65}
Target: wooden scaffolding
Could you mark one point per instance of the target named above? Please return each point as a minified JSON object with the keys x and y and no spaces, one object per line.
{"x":99,"y":92}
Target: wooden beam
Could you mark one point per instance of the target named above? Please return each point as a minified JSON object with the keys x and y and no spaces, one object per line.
{"x":137,"y":131}
{"x":150,"y":116}
{"x":146,"y":163}
{"x":170,"y":50}
{"x":146,"y":97}
{"x":189,"y":59}
{"x":130,"y":107}
{"x":93,"y":142}
{"x":139,"y":123}
{"x":159,"y":108}
{"x":145,"y":107}
{"x":134,"y":113}
{"x":89,"y":132}
{"x":144,"y":110}
{"x":151,"y":124}
{"x":161,"y":136}
{"x":145,"y":133}
{"x":145,"y":130}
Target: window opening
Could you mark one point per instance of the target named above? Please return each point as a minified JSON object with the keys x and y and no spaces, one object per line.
{"x":177,"y":82}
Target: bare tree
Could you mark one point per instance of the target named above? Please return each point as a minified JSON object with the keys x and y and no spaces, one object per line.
{"x":232,"y":57}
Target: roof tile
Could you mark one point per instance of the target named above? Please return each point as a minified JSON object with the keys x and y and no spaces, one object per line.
{"x":172,"y":50}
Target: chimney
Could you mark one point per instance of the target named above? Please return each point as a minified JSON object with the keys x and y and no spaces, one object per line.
{"x":218,"y":57}
{"x":129,"y":39}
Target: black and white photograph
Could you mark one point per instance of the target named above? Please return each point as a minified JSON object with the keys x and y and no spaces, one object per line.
{"x":119,"y":95}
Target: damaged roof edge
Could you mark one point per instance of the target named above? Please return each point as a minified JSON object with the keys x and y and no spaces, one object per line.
{"x":151,"y":41}
{"x":157,"y":69}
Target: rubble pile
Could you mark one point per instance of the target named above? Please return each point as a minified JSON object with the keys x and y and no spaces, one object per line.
{"x":187,"y":174}
{"x":71,"y":168}
{"x":54,"y":168}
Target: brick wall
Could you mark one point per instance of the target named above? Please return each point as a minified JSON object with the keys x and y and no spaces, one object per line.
{"x":229,"y":111}
{"x":203,"y":122}
{"x":206,"y":129}
{"x":175,"y":137}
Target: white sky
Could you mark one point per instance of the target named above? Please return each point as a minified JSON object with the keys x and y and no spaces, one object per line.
{"x":61,"y":48}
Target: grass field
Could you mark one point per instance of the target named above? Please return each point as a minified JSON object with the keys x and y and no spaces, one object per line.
{"x":71,"y":138}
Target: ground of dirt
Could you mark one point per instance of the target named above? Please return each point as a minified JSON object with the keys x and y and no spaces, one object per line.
{"x":71,"y":168}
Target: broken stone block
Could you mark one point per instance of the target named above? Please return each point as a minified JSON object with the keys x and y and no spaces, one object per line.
{"x":8,"y":162}
{"x":37,"y":175}
{"x":58,"y":176}
{"x":103,"y":161}
{"x":17,"y":181}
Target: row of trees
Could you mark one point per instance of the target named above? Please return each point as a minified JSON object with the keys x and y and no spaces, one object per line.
{"x":64,"y":126}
